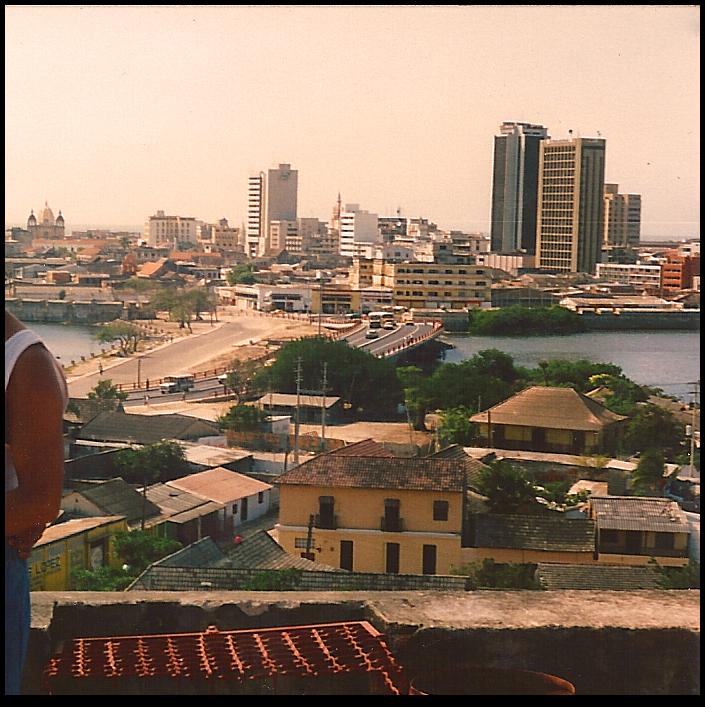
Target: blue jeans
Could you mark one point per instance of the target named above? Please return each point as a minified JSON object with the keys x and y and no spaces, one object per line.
{"x":17,"y":619}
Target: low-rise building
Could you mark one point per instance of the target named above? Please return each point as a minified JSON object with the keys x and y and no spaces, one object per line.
{"x":632,"y":530}
{"x":374,"y":514}
{"x":557,"y":420}
{"x":79,"y":544}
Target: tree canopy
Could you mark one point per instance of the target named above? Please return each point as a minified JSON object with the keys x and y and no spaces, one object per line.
{"x":368,"y":385}
{"x":508,"y":489}
{"x":650,"y":471}
{"x":241,"y":275}
{"x":151,"y":463}
{"x":243,"y":418}
{"x":654,"y":427}
{"x":127,"y":334}
{"x":524,"y":321}
{"x":105,"y":390}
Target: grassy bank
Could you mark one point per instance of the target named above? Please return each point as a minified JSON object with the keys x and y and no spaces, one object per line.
{"x":524,"y":321}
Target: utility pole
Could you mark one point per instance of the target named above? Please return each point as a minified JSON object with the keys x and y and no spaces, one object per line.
{"x":323,"y":406}
{"x":298,"y":403}
{"x":696,"y":384}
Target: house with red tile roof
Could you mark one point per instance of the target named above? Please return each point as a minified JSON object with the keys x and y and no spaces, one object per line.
{"x":374,"y":513}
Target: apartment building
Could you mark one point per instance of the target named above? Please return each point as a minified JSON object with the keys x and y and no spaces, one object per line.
{"x":358,"y":231}
{"x":570,"y":213}
{"x":639,"y":274}
{"x":221,"y":236}
{"x":271,"y":196}
{"x":622,"y":219}
{"x":424,"y":285}
{"x":374,"y":514}
{"x":161,"y":228}
{"x":679,"y":271}
{"x":515,"y":187}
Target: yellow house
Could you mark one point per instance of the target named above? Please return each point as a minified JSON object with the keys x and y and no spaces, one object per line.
{"x":554,"y":420}
{"x":374,"y":514}
{"x":81,"y":544}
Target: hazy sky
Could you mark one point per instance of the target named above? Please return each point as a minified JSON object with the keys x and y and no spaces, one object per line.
{"x":114,"y":112}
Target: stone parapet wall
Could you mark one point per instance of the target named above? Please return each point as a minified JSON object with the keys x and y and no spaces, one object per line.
{"x":631,"y":643}
{"x":63,"y":311}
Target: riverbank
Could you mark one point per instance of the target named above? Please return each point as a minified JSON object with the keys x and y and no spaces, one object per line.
{"x":162,"y":333}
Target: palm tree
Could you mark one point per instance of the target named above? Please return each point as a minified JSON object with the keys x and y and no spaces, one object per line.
{"x":650,"y":471}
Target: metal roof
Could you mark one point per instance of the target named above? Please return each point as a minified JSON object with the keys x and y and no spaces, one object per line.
{"x":219,"y":485}
{"x":564,"y":576}
{"x":117,"y":497}
{"x":73,"y":527}
{"x":287,"y":400}
{"x":660,"y":515}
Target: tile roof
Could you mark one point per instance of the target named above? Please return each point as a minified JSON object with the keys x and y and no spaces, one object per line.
{"x":560,"y":576}
{"x":117,"y":497}
{"x":659,"y":515}
{"x":202,"y":553}
{"x":473,"y":466}
{"x":219,"y":485}
{"x":552,"y":408}
{"x":287,"y":400}
{"x":262,"y":551}
{"x":411,"y":474}
{"x":363,"y":448}
{"x":534,"y":533}
{"x":145,"y":429}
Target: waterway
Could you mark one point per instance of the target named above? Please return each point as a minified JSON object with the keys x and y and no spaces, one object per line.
{"x":663,"y":359}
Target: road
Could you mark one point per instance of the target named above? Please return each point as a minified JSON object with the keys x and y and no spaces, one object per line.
{"x":387,"y":338}
{"x":177,"y":357}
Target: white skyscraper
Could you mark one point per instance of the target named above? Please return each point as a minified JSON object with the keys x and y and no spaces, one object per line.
{"x":271,"y":196}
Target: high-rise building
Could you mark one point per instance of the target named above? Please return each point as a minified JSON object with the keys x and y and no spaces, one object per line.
{"x":515,"y":187}
{"x":622,"y":218}
{"x":271,"y":196}
{"x":570,"y":209}
{"x":358,"y":231}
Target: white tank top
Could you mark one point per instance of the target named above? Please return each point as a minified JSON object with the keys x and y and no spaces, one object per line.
{"x":15,"y":346}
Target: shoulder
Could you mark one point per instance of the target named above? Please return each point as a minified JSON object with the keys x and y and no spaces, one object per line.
{"x":12,"y":325}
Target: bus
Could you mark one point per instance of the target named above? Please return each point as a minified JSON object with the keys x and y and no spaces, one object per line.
{"x":381,"y":320}
{"x":174,"y":384}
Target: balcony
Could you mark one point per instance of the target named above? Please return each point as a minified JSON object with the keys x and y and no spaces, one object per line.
{"x":391,"y":524}
{"x":326,"y":521}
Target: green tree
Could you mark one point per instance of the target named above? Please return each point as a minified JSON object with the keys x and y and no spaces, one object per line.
{"x":139,"y":549}
{"x":555,"y":491}
{"x":368,"y":385}
{"x":177,"y":304}
{"x":495,"y":575}
{"x":103,"y":579}
{"x":650,"y":471}
{"x":287,"y":580}
{"x":623,"y":394}
{"x":419,"y":396}
{"x":654,"y":427}
{"x":62,"y":294}
{"x":456,"y":427}
{"x":160,"y":461}
{"x":524,"y":321}
{"x":243,"y":418}
{"x":240,"y":378}
{"x":507,"y":488}
{"x":200,"y":300}
{"x":241,"y":275}
{"x":105,"y":390}
{"x":127,"y":334}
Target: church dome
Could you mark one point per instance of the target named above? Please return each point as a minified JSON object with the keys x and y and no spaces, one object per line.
{"x":32,"y":218}
{"x":59,"y":218}
{"x":47,"y":215}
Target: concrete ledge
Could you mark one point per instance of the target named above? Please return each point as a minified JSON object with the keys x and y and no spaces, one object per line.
{"x":644,"y":642}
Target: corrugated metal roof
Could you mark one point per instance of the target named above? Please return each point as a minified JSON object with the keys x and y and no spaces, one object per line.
{"x":563,"y":576}
{"x":534,"y":533}
{"x":660,"y":515}
{"x":117,"y":497}
{"x":287,"y":400}
{"x":552,"y":408}
{"x":172,"y":500}
{"x":206,"y":455}
{"x":219,"y":485}
{"x":380,"y":473}
{"x":202,"y":553}
{"x":145,"y":429}
{"x":73,"y":527}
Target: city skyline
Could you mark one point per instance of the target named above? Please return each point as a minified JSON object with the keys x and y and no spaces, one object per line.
{"x":113,"y":113}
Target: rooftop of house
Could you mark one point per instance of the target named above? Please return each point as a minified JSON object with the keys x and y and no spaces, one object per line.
{"x":60,"y":531}
{"x":534,"y":533}
{"x":659,"y":515}
{"x":207,"y":455}
{"x":290,"y":401}
{"x":364,"y":448}
{"x":116,"y":497}
{"x":473,"y":466}
{"x":555,"y":576}
{"x":552,"y":408}
{"x":145,"y":429}
{"x":219,"y":485}
{"x":412,"y":474}
{"x":81,"y":410}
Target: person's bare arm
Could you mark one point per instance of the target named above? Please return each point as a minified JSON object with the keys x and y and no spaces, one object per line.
{"x":33,"y":429}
